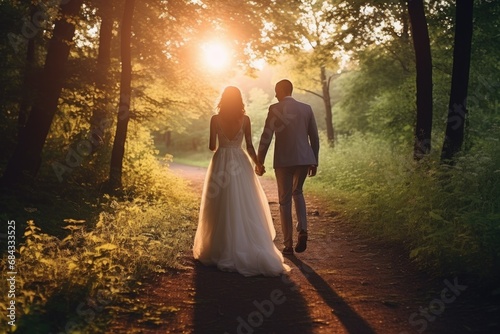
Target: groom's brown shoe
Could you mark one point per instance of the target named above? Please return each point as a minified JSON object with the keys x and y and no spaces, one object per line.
{"x":302,"y":242}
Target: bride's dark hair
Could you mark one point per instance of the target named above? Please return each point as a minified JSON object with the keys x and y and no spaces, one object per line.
{"x":231,"y":103}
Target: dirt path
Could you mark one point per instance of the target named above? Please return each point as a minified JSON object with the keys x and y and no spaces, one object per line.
{"x":343,"y":283}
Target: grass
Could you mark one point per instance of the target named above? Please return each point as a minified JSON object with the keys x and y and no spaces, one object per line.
{"x":198,"y":159}
{"x":447,"y":216}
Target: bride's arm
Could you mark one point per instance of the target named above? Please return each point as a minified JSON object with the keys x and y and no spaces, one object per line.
{"x":212,"y":143}
{"x":248,"y":140}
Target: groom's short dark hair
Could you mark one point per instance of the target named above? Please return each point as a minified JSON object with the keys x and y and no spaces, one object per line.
{"x":286,"y":86}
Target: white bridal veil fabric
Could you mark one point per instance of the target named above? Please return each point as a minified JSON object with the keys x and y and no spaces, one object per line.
{"x":235,"y":227}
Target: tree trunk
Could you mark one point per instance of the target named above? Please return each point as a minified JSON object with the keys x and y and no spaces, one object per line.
{"x":98,"y":121}
{"x":457,"y":107}
{"x":26,"y":159}
{"x":325,"y":86}
{"x":115,"y":175}
{"x":27,"y":85}
{"x":405,"y":34}
{"x":421,"y":43}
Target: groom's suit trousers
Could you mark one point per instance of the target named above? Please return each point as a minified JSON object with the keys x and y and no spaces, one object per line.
{"x":290,"y":182}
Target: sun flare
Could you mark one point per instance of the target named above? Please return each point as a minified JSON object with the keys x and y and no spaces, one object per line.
{"x":216,"y":55}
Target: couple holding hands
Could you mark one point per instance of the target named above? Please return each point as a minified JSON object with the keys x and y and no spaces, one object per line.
{"x":235,"y":228}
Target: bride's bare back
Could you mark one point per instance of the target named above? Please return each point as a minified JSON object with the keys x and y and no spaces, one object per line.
{"x":230,"y":128}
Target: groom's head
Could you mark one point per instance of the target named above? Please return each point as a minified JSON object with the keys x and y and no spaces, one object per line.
{"x":283,"y":88}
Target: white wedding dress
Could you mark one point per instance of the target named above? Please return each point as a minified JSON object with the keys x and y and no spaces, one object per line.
{"x":235,"y":228}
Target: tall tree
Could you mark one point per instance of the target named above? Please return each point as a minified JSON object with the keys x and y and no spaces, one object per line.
{"x":315,"y":47}
{"x":323,"y":83}
{"x":375,"y":35}
{"x":421,"y":43}
{"x":115,"y":174}
{"x":26,"y":159}
{"x":102,"y":74}
{"x":27,"y":85}
{"x":327,"y":101}
{"x":457,"y":107}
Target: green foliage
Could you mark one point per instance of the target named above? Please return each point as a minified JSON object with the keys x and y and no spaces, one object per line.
{"x":449,"y":217}
{"x":377,"y":97}
{"x":256,"y":108}
{"x":79,"y":280}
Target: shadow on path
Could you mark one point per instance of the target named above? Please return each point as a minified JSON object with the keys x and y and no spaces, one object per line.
{"x":351,"y":321}
{"x":231,"y":303}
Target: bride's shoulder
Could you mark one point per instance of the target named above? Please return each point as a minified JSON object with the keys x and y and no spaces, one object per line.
{"x":214,"y":118}
{"x":214,"y":121}
{"x":246,"y":118}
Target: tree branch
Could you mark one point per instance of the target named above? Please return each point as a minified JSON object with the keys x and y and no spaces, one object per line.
{"x":311,"y":92}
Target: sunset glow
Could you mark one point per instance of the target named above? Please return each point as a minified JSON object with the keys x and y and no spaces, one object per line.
{"x":216,"y":55}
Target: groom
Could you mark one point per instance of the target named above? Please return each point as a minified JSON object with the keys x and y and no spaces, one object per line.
{"x":295,"y":157}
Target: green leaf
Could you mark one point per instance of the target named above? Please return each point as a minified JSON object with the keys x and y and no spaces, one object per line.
{"x":434,"y":215}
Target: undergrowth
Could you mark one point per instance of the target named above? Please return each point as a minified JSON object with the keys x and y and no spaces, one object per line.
{"x":448,"y":216}
{"x":74,"y":284}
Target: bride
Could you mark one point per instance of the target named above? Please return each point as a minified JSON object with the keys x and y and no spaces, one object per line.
{"x":235,"y":229}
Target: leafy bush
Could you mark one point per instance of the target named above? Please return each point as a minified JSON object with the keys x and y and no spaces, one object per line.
{"x":449,"y":216}
{"x":72,"y":284}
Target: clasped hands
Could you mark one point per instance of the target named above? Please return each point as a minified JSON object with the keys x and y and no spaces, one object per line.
{"x":260,"y":169}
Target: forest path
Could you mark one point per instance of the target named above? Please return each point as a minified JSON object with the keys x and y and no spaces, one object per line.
{"x":342,"y":283}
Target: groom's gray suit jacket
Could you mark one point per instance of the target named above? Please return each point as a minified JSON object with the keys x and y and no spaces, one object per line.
{"x":297,"y":141}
